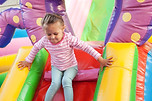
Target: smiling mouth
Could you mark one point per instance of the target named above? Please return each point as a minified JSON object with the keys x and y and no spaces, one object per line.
{"x":53,"y":41}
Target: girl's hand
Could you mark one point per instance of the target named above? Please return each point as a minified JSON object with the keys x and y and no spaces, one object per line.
{"x":23,"y":64}
{"x":105,"y":62}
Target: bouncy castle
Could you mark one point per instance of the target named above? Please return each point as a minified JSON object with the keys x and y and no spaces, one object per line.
{"x":121,"y":29}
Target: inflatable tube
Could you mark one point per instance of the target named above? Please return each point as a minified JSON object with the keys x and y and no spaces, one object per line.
{"x":6,"y":62}
{"x":29,"y":17}
{"x":130,"y":22}
{"x":148,"y":76}
{"x":82,"y":75}
{"x":97,"y":20}
{"x":118,"y":82}
{"x":15,"y":79}
{"x":141,"y":72}
{"x":34,"y":76}
{"x":2,"y":77}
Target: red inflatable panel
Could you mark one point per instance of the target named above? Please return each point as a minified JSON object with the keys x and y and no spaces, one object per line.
{"x":83,"y":90}
{"x":142,"y":53}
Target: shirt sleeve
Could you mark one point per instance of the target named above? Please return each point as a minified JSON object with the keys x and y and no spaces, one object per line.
{"x":76,"y":43}
{"x":36,"y":48}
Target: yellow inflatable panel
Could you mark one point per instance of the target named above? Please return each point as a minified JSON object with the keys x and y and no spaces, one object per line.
{"x":15,"y":78}
{"x":116,"y":80}
{"x":150,"y":39}
{"x":2,"y":77}
{"x":6,"y":62}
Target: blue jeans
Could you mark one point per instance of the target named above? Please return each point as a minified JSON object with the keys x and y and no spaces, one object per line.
{"x":66,"y":78}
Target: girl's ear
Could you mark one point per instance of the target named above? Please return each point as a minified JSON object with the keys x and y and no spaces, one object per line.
{"x":64,"y":27}
{"x":44,"y":29}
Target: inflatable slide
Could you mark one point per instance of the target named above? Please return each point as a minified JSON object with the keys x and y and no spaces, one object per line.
{"x":18,"y":82}
{"x":123,"y":26}
{"x":119,"y":80}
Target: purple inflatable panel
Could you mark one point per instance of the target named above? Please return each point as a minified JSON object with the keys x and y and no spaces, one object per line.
{"x":133,"y":24}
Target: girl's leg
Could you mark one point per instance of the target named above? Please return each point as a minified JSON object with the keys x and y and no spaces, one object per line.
{"x":68,"y":76}
{"x":55,"y":84}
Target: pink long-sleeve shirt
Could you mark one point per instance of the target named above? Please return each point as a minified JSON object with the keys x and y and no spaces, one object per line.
{"x":62,"y":53}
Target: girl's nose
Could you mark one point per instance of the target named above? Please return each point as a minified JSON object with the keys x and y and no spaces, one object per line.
{"x":52,"y":36}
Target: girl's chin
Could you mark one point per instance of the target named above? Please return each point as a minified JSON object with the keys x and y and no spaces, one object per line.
{"x":54,"y":42}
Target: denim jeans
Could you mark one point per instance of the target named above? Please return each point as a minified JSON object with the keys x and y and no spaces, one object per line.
{"x":66,"y":78}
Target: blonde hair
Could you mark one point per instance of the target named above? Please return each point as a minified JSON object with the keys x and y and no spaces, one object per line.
{"x":51,"y":18}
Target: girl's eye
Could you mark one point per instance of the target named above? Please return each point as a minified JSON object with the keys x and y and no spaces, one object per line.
{"x":49,"y":34}
{"x":55,"y":33}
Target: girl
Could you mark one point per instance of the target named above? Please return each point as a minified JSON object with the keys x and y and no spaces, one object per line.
{"x":63,"y":61}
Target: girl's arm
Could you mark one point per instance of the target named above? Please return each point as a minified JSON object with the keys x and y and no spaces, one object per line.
{"x":29,"y":59}
{"x":105,"y":62}
{"x":75,"y":42}
{"x":23,"y":64}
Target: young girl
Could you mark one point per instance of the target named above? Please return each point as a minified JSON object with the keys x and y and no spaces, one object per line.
{"x":63,"y":61}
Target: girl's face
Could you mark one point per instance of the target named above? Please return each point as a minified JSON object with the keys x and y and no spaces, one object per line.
{"x":54,"y":32}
